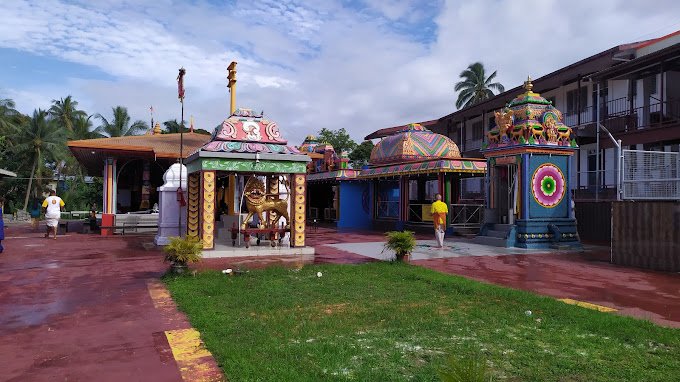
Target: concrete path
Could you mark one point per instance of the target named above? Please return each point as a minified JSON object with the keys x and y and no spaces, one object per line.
{"x":86,"y":308}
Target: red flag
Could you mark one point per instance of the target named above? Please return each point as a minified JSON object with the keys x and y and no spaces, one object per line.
{"x":180,"y":84}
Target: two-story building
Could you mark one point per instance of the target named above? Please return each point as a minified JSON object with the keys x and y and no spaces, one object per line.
{"x":633,"y":90}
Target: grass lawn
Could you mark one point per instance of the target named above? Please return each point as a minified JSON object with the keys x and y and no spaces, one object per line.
{"x":396,"y":322}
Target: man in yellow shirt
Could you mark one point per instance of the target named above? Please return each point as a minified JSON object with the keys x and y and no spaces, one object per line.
{"x":52,"y":206}
{"x":439,"y":210}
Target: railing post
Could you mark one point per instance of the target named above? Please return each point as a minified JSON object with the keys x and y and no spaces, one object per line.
{"x":597,"y":140}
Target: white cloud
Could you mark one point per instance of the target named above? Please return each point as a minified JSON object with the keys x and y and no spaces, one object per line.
{"x":311,"y":65}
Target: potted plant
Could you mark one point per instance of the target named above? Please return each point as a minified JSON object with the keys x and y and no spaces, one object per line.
{"x":402,"y":243}
{"x":182,"y":251}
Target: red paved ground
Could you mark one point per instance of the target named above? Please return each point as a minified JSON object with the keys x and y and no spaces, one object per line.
{"x":635,"y":292}
{"x":78,"y":309}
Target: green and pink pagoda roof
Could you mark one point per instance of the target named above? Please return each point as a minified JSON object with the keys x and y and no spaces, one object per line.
{"x":248,"y":132}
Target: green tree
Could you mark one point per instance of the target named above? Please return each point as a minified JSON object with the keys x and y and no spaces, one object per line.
{"x":339,"y":139}
{"x":361,"y":154}
{"x":475,"y":86}
{"x":65,"y":112}
{"x":174,"y":127}
{"x":37,"y":142}
{"x":82,"y":129}
{"x":9,"y":117}
{"x":120,"y":124}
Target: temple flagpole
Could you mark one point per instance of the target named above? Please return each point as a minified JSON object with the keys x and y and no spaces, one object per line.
{"x":180,"y":95}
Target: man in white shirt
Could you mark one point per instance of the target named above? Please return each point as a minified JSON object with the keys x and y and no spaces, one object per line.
{"x":52,"y":207}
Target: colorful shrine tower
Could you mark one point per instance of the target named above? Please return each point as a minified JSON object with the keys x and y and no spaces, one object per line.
{"x":529,"y":193}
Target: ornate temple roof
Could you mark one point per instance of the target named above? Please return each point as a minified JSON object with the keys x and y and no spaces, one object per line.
{"x":529,"y":120}
{"x":308,"y":144}
{"x":248,"y":132}
{"x":412,"y":143}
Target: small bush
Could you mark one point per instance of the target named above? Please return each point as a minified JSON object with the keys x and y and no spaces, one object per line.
{"x":183,"y":251}
{"x":401,"y":242}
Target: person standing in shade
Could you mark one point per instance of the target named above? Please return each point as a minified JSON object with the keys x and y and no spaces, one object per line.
{"x":439,"y":210}
{"x":52,"y":207}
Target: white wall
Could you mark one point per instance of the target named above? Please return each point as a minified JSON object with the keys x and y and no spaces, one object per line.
{"x":610,"y":165}
{"x":618,"y":89}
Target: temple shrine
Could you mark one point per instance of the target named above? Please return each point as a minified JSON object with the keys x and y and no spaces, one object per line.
{"x":407,"y":168}
{"x":247,"y":171}
{"x":329,"y":178}
{"x":132,"y":168}
{"x":529,"y":193}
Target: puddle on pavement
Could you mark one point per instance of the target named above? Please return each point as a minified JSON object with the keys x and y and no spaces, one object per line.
{"x":31,"y":315}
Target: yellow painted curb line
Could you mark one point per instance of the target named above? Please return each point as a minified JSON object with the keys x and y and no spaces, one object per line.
{"x":587,"y":305}
{"x":159,"y":294}
{"x":195,"y":362}
{"x":192,"y":358}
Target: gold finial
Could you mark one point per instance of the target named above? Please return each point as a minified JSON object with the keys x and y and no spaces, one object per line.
{"x":157,"y":128}
{"x":528,"y":85}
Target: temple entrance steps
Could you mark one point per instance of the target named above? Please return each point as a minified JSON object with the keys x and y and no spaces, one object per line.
{"x":495,"y":234}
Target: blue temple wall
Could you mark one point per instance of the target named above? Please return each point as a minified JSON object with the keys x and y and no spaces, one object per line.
{"x":541,"y":226}
{"x":355,"y":205}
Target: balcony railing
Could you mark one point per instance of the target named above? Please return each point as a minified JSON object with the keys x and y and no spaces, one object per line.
{"x":472,"y":144}
{"x":618,"y":116}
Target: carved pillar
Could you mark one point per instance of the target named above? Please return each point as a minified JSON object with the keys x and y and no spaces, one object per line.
{"x":193,"y":210}
{"x":207,"y":221}
{"x":110,"y":187}
{"x":298,"y":198}
{"x":273,"y":192}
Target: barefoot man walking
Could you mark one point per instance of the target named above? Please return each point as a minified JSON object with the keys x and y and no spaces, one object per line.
{"x":52,"y":207}
{"x":439,"y":211}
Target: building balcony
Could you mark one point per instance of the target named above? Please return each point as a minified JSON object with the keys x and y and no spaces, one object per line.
{"x":626,"y":122}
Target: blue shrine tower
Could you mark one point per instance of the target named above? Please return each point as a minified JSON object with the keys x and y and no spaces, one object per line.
{"x":528,"y":199}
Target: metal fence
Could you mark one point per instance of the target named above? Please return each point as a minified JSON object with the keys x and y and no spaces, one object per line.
{"x":388,"y":209}
{"x":651,"y":175}
{"x":467,"y":215}
{"x":596,"y":185}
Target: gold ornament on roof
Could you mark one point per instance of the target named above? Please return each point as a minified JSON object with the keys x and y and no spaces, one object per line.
{"x":528,"y":86}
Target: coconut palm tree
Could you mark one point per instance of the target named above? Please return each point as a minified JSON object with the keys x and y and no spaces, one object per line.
{"x":475,"y":86}
{"x":38,"y":141}
{"x":120,"y":124}
{"x":65,"y":111}
{"x":9,"y":117}
{"x":82,"y":129}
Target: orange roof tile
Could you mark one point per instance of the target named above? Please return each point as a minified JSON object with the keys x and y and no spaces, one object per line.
{"x":162,"y":145}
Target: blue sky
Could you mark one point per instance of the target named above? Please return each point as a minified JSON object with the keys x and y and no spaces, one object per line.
{"x":358,"y":64}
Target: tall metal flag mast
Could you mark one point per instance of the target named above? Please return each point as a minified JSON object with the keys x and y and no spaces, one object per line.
{"x":232,"y":86}
{"x":180,"y":192}
{"x":151,"y":111}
